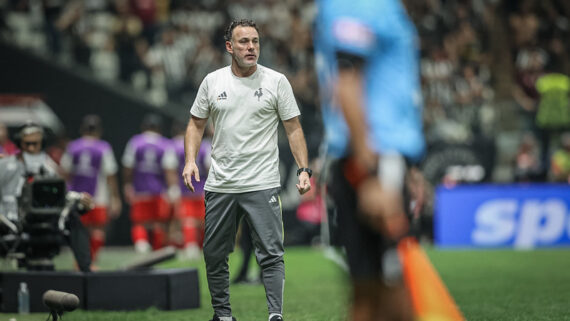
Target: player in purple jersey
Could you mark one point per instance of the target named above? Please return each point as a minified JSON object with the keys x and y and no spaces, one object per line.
{"x":191,"y":209}
{"x":90,"y":166}
{"x":150,"y":183}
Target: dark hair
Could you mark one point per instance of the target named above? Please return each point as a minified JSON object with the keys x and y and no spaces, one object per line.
{"x":91,"y":124}
{"x":152,"y":122}
{"x":235,"y":23}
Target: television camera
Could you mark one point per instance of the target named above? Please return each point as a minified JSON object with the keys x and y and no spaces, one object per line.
{"x":48,"y":217}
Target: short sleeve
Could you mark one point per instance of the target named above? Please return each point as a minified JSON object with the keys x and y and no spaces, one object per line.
{"x":65,"y":162}
{"x":353,"y":36}
{"x":286,"y":103}
{"x":169,"y":159}
{"x":109,"y":165}
{"x":201,"y":106}
{"x":129,"y":155}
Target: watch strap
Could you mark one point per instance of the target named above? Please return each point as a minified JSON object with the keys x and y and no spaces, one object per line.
{"x":305,"y":169}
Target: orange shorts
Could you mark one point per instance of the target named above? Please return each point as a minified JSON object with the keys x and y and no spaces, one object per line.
{"x":96,"y":217}
{"x":154,"y":208}
{"x":192,"y":208}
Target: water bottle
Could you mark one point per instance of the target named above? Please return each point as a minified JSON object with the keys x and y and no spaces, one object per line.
{"x":23,"y":299}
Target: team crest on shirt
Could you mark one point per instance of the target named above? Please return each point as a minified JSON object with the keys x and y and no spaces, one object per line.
{"x":258,"y":93}
{"x":352,"y":32}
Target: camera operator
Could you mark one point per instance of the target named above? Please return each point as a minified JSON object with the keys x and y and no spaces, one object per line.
{"x":30,"y":163}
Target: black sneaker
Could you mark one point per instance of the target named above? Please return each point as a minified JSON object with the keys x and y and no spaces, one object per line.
{"x":276,"y":318}
{"x":217,"y":318}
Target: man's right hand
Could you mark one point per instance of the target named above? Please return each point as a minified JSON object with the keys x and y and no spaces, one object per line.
{"x":190,"y":169}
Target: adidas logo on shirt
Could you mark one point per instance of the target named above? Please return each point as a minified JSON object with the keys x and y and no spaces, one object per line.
{"x":222,"y":96}
{"x":273,"y":199}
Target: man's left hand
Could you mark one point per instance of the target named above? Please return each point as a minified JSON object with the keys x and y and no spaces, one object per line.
{"x":304,"y":183}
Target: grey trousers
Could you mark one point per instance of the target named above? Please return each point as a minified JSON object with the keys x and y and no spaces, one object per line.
{"x":262,"y":211}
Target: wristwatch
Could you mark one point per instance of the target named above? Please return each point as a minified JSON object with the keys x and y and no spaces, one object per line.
{"x":304,"y":169}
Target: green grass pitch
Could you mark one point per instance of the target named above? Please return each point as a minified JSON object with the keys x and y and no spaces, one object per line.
{"x":487,"y":285}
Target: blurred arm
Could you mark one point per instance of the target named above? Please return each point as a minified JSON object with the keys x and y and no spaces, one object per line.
{"x":349,"y":91}
{"x":128,"y":184}
{"x":115,"y":205}
{"x":192,"y":139}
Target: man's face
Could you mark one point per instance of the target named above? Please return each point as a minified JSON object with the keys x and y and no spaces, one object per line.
{"x":168,"y":37}
{"x":244,"y":46}
{"x":31,"y":143}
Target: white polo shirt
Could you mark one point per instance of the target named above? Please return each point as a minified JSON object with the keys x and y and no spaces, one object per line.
{"x":245,"y":113}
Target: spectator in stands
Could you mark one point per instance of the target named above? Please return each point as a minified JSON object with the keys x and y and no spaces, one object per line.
{"x":52,"y":10}
{"x":554,"y":104}
{"x":527,"y":163}
{"x":105,"y":62}
{"x":147,"y":12}
{"x":169,"y":58}
{"x":436,"y":72}
{"x":530,"y":64}
{"x":74,"y":22}
{"x":130,"y":45}
{"x":560,"y":166}
{"x":205,"y":58}
{"x":469,"y":87}
{"x":525,"y":24}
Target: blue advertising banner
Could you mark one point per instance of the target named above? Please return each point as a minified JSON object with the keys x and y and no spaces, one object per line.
{"x":519,"y":216}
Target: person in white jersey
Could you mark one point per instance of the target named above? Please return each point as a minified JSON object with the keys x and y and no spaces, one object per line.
{"x":245,"y":102}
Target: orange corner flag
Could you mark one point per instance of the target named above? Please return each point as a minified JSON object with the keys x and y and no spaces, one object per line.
{"x":430,"y":298}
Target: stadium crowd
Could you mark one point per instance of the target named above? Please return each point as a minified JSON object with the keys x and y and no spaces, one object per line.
{"x":163,"y":47}
{"x":471,"y":58}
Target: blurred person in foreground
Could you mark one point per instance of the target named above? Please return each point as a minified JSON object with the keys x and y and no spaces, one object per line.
{"x":7,"y":147}
{"x":190,"y":210}
{"x":367,"y":61}
{"x":150,"y":183}
{"x":89,"y":166}
{"x":245,"y":101}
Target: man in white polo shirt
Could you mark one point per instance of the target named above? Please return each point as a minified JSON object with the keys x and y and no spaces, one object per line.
{"x":245,"y":102}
